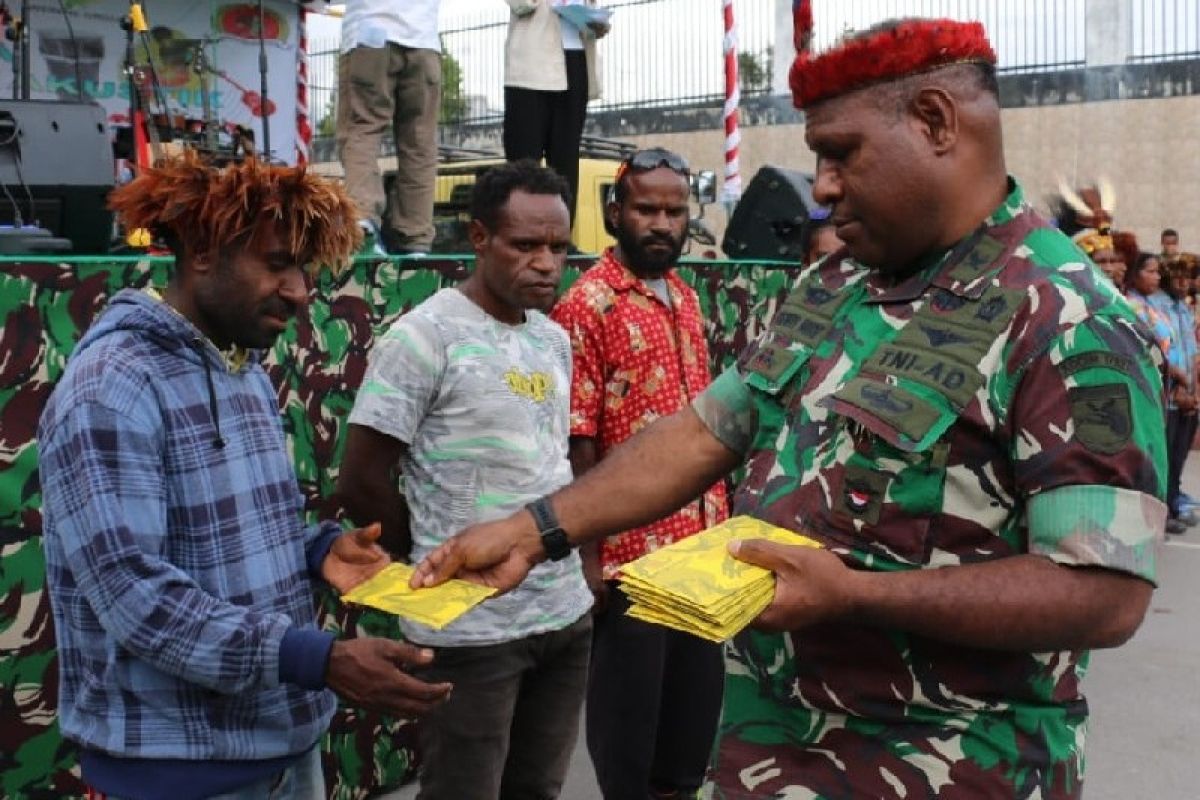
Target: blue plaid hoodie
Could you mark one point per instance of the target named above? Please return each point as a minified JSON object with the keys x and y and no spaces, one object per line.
{"x":178,"y":563}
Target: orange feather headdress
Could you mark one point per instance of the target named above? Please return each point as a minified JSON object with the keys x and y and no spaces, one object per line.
{"x":199,"y":208}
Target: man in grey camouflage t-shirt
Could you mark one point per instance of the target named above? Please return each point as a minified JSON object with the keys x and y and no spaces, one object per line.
{"x":467,"y":397}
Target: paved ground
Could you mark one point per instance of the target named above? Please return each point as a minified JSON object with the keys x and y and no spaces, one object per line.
{"x":1145,"y":696}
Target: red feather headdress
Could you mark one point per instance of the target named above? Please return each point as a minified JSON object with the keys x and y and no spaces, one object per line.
{"x":911,"y":47}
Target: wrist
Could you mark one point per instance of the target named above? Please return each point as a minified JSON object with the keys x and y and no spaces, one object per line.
{"x":863,"y":590}
{"x":552,"y":539}
{"x":304,"y":655}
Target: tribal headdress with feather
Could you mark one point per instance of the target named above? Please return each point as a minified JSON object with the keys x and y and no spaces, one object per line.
{"x":1086,"y":216}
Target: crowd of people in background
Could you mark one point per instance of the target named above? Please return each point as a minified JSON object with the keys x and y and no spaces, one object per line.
{"x":1164,"y":289}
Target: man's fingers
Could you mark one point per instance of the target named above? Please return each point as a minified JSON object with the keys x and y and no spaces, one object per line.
{"x":760,"y":552}
{"x":368,"y":535}
{"x":406,"y":655}
{"x":417,"y":689}
{"x":437,"y":567}
{"x":363,"y":549}
{"x":418,"y":698}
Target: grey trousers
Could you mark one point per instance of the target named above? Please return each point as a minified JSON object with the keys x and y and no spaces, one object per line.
{"x":509,"y":727}
{"x":399,"y":87}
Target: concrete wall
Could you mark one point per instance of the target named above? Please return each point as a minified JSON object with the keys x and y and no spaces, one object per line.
{"x":1149,"y":149}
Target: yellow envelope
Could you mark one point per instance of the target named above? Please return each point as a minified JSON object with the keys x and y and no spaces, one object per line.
{"x":436,"y":607}
{"x":696,"y":586}
{"x":700,"y":568}
{"x":711,"y":632}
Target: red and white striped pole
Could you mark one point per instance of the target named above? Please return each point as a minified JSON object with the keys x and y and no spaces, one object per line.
{"x":731,"y":192}
{"x":303,"y":124}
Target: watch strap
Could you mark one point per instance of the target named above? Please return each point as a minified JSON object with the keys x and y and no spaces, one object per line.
{"x":554,"y":538}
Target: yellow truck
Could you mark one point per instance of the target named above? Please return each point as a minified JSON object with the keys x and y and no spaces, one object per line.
{"x":598,"y":163}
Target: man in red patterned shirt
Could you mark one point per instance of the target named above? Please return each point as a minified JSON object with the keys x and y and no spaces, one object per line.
{"x":639,"y":352}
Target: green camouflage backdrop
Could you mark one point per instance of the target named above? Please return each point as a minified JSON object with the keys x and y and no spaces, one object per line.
{"x":44,"y":307}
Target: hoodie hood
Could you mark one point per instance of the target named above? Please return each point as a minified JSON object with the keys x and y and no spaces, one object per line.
{"x":136,"y":311}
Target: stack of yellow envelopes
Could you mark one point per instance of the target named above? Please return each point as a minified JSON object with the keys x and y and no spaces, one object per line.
{"x":436,"y":607}
{"x":696,"y":586}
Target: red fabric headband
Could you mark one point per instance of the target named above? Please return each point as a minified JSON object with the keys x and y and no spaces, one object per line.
{"x":912,"y":46}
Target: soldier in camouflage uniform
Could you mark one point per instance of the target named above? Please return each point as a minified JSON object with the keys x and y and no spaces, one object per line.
{"x":961,"y":410}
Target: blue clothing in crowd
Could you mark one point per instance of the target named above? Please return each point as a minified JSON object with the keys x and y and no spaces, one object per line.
{"x":179,"y":566}
{"x":1178,"y":314}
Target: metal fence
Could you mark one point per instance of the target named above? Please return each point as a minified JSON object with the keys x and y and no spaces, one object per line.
{"x":322,"y":84}
{"x":1029,"y":35}
{"x":669,"y":52}
{"x":1164,"y":30}
{"x":659,"y":52}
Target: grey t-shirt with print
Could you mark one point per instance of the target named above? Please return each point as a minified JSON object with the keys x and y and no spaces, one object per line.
{"x":483,"y":407}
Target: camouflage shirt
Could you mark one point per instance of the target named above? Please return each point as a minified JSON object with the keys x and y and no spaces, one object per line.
{"x":1002,"y":400}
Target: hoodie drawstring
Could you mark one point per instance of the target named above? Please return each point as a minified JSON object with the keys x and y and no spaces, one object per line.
{"x":218,"y":440}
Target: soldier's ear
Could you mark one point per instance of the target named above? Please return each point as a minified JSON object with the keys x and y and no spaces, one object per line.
{"x":937,"y":115}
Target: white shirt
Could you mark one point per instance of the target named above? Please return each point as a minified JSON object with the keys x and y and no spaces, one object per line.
{"x":374,"y":23}
{"x":484,"y":408}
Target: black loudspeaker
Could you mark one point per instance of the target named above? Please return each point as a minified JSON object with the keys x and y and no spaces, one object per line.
{"x":56,"y":165}
{"x":768,"y":221}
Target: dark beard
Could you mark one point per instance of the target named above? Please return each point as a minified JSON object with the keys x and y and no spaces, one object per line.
{"x":645,"y":263}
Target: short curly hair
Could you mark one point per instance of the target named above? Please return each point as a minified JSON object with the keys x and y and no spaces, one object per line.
{"x":199,"y":208}
{"x":495,"y":185}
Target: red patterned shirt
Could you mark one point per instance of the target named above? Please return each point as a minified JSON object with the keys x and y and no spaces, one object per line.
{"x":635,"y":360}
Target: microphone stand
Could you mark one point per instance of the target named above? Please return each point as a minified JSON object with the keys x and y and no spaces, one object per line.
{"x":12,"y":32}
{"x":262,"y":81}
{"x":22,"y":40}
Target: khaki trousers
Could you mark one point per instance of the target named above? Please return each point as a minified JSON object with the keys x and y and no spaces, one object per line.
{"x":401,"y":87}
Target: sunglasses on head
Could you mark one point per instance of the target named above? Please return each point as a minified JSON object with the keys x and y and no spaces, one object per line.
{"x":646,"y":160}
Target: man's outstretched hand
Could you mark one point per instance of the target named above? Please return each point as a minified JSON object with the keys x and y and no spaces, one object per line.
{"x":371,"y":673}
{"x":354,"y":558}
{"x":498,"y":554}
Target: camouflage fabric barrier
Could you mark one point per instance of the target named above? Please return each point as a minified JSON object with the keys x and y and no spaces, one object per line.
{"x":45,"y":305}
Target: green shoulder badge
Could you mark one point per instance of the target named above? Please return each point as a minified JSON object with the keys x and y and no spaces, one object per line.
{"x":1102,"y":416}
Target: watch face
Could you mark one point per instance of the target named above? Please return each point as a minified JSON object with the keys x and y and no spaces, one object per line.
{"x":556,"y":545}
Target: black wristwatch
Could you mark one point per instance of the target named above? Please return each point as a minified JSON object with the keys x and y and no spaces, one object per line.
{"x":554,"y":538}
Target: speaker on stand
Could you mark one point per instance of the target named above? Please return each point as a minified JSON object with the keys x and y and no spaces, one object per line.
{"x":769,"y":220}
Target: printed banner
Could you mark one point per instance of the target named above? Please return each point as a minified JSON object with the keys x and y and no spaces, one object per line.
{"x":227,"y":30}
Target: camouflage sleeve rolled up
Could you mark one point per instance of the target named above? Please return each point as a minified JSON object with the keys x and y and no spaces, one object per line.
{"x":1088,"y":449}
{"x":728,"y":409}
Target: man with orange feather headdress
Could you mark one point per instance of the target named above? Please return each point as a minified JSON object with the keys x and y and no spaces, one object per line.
{"x":179,"y":566}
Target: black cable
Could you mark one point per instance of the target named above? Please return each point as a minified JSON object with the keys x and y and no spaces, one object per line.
{"x":11,"y":141}
{"x":262,"y":82}
{"x":21,"y":177}
{"x":23,"y":38}
{"x":75,"y":50}
{"x":155,"y":85}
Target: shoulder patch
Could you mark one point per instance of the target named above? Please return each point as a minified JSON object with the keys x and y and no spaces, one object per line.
{"x":1096,"y":360}
{"x":1102,"y":416}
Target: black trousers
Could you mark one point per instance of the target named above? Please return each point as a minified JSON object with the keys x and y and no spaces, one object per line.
{"x":548,"y":125}
{"x":653,"y":702}
{"x":509,"y":728}
{"x":1181,"y":430}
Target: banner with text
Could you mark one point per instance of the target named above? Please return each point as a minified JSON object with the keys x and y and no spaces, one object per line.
{"x":92,"y":51}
